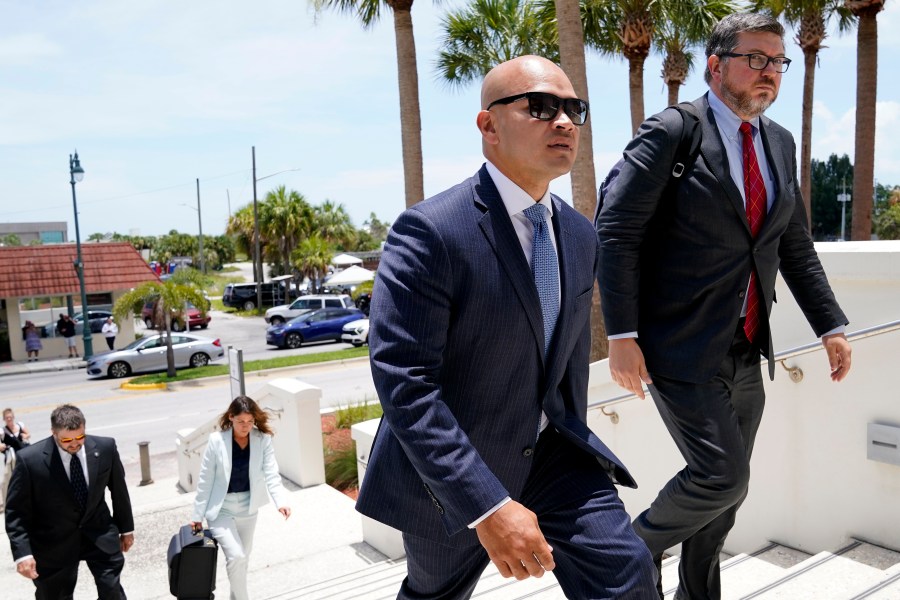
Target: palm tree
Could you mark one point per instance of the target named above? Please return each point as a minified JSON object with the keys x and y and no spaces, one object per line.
{"x":866,"y":82}
{"x":311,"y":258}
{"x":368,"y":12}
{"x":486,"y":33}
{"x":810,"y":19}
{"x":626,"y":28}
{"x":169,"y":298}
{"x":687,"y":24}
{"x":284,"y":217}
{"x":333,"y":223}
{"x":240,"y":225}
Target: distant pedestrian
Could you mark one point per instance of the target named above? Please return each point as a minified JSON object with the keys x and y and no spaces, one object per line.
{"x":66,"y":327}
{"x":15,"y":433}
{"x":110,"y":329}
{"x":32,"y":339}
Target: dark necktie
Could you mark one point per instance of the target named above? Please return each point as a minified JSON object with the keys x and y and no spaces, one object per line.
{"x":545,"y":269}
{"x":755,"y":198}
{"x":78,"y":483}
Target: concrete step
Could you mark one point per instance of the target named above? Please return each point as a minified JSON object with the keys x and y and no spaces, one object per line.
{"x":825,"y":576}
{"x":887,"y":589}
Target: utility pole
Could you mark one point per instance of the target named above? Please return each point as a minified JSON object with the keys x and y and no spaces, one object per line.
{"x":200,"y":226}
{"x":843,"y":198}
{"x":258,"y":262}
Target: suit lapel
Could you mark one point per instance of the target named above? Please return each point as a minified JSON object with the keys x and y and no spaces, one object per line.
{"x":499,"y":232}
{"x":228,"y":441}
{"x":713,"y":151}
{"x":57,"y":471}
{"x":92,"y":455}
{"x":777,"y":167}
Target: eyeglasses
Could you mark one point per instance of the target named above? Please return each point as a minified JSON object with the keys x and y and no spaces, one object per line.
{"x":545,"y":107}
{"x":759,"y":62}
{"x":77,"y":438}
{"x":244,"y":422}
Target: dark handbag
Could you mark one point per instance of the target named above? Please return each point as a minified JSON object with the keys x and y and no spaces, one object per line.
{"x":192,"y":564}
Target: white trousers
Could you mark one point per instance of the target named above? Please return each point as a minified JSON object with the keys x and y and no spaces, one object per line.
{"x":233,"y":529}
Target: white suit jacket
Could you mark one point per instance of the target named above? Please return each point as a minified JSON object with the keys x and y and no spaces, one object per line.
{"x":215,"y":473}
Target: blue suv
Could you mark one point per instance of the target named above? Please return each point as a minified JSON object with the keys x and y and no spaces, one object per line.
{"x":316,"y":326}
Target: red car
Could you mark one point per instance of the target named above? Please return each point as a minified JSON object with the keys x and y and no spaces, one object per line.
{"x":196,"y":317}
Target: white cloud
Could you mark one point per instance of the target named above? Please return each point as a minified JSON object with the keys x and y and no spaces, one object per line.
{"x":835,"y":134}
{"x":26,"y":49}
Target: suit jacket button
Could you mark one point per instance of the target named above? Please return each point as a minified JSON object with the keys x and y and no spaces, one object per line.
{"x":527,"y":452}
{"x":742,"y":294}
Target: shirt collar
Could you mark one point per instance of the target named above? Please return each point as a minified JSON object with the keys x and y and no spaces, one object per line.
{"x":726,"y":119}
{"x":514,"y":198}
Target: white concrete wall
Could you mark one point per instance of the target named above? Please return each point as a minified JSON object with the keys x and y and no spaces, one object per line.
{"x":812,"y":486}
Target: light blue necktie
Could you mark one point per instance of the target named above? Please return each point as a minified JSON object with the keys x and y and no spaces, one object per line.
{"x":545,"y":269}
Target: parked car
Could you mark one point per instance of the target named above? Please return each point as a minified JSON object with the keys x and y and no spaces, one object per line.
{"x":356,"y":332}
{"x":243,"y":295}
{"x":195,"y":317}
{"x":281,"y":314}
{"x":149,"y":354}
{"x":96,"y":319}
{"x":315,"y":326}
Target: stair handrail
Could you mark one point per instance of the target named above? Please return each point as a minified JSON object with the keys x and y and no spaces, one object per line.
{"x":794,"y":372}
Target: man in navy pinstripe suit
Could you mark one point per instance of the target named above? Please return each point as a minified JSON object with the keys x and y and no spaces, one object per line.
{"x":483,"y":453}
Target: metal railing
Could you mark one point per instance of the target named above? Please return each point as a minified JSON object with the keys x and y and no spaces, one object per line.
{"x":795,"y":373}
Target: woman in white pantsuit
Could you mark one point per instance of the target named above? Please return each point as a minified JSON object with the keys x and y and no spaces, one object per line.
{"x":238,"y":468}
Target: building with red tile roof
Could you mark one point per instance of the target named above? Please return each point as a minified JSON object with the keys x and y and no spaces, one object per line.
{"x":26,"y":272}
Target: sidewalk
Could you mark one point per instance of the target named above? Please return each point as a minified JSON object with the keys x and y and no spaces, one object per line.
{"x":322,"y":539}
{"x":43,"y":365}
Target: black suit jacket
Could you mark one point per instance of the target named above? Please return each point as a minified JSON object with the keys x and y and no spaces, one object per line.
{"x":457,"y":348}
{"x":42,"y":517}
{"x":675,"y":269}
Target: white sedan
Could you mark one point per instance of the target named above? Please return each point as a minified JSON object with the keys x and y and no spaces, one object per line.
{"x":356,"y":332}
{"x":149,"y":354}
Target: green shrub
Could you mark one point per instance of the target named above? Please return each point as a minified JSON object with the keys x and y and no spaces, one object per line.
{"x":344,"y":418}
{"x":340,"y":469}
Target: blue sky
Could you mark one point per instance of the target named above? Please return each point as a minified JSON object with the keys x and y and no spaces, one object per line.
{"x":156,"y":94}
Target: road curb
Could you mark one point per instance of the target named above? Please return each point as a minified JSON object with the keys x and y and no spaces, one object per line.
{"x":144,"y":386}
{"x":175,"y":384}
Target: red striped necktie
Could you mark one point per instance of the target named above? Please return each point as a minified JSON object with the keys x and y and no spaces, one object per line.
{"x":755,"y":203}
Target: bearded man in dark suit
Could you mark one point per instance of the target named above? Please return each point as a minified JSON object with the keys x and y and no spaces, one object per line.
{"x":687,"y":279}
{"x":56,"y":511}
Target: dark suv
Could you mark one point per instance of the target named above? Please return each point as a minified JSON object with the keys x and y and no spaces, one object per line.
{"x":243,"y":295}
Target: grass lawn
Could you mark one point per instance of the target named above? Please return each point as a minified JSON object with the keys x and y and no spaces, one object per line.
{"x":255,"y":365}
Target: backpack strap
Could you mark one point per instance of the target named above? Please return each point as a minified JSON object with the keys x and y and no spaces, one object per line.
{"x":689,"y":143}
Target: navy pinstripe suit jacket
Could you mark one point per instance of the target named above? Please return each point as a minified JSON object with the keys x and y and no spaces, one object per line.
{"x":456,"y":343}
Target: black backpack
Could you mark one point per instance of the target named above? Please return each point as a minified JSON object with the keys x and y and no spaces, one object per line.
{"x":685,"y":154}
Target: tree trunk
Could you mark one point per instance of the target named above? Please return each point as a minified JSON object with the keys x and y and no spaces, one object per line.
{"x":410,"y":118}
{"x":809,"y":81}
{"x":673,"y":92}
{"x":584,"y":179}
{"x":636,"y":90}
{"x":864,"y":154}
{"x":170,"y":353}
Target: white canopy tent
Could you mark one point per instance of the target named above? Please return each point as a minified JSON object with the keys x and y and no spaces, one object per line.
{"x":350,"y":276}
{"x":342,"y":260}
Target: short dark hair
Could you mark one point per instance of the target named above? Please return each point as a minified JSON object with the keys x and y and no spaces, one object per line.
{"x":242,"y":405}
{"x":66,"y":416}
{"x":724,"y":37}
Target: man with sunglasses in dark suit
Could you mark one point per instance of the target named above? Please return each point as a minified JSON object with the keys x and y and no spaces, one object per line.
{"x":687,"y":277}
{"x":56,"y":511}
{"x":480,"y":342}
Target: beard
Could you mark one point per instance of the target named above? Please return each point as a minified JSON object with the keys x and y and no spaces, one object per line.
{"x":744,"y":103}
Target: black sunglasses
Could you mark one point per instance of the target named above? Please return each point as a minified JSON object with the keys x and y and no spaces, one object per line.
{"x":545,"y":107}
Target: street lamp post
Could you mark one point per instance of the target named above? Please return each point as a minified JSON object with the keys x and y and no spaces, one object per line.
{"x":200,"y":227}
{"x":76,"y":174}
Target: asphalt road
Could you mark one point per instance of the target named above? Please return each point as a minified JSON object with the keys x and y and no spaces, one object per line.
{"x":155,"y":416}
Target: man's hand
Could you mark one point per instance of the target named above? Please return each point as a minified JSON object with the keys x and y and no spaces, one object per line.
{"x":27,"y":568}
{"x":627,"y":366}
{"x":838,"y":349}
{"x":514,"y":542}
{"x":126,"y":540}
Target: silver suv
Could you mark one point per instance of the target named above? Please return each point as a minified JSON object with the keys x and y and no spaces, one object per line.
{"x":280,"y":314}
